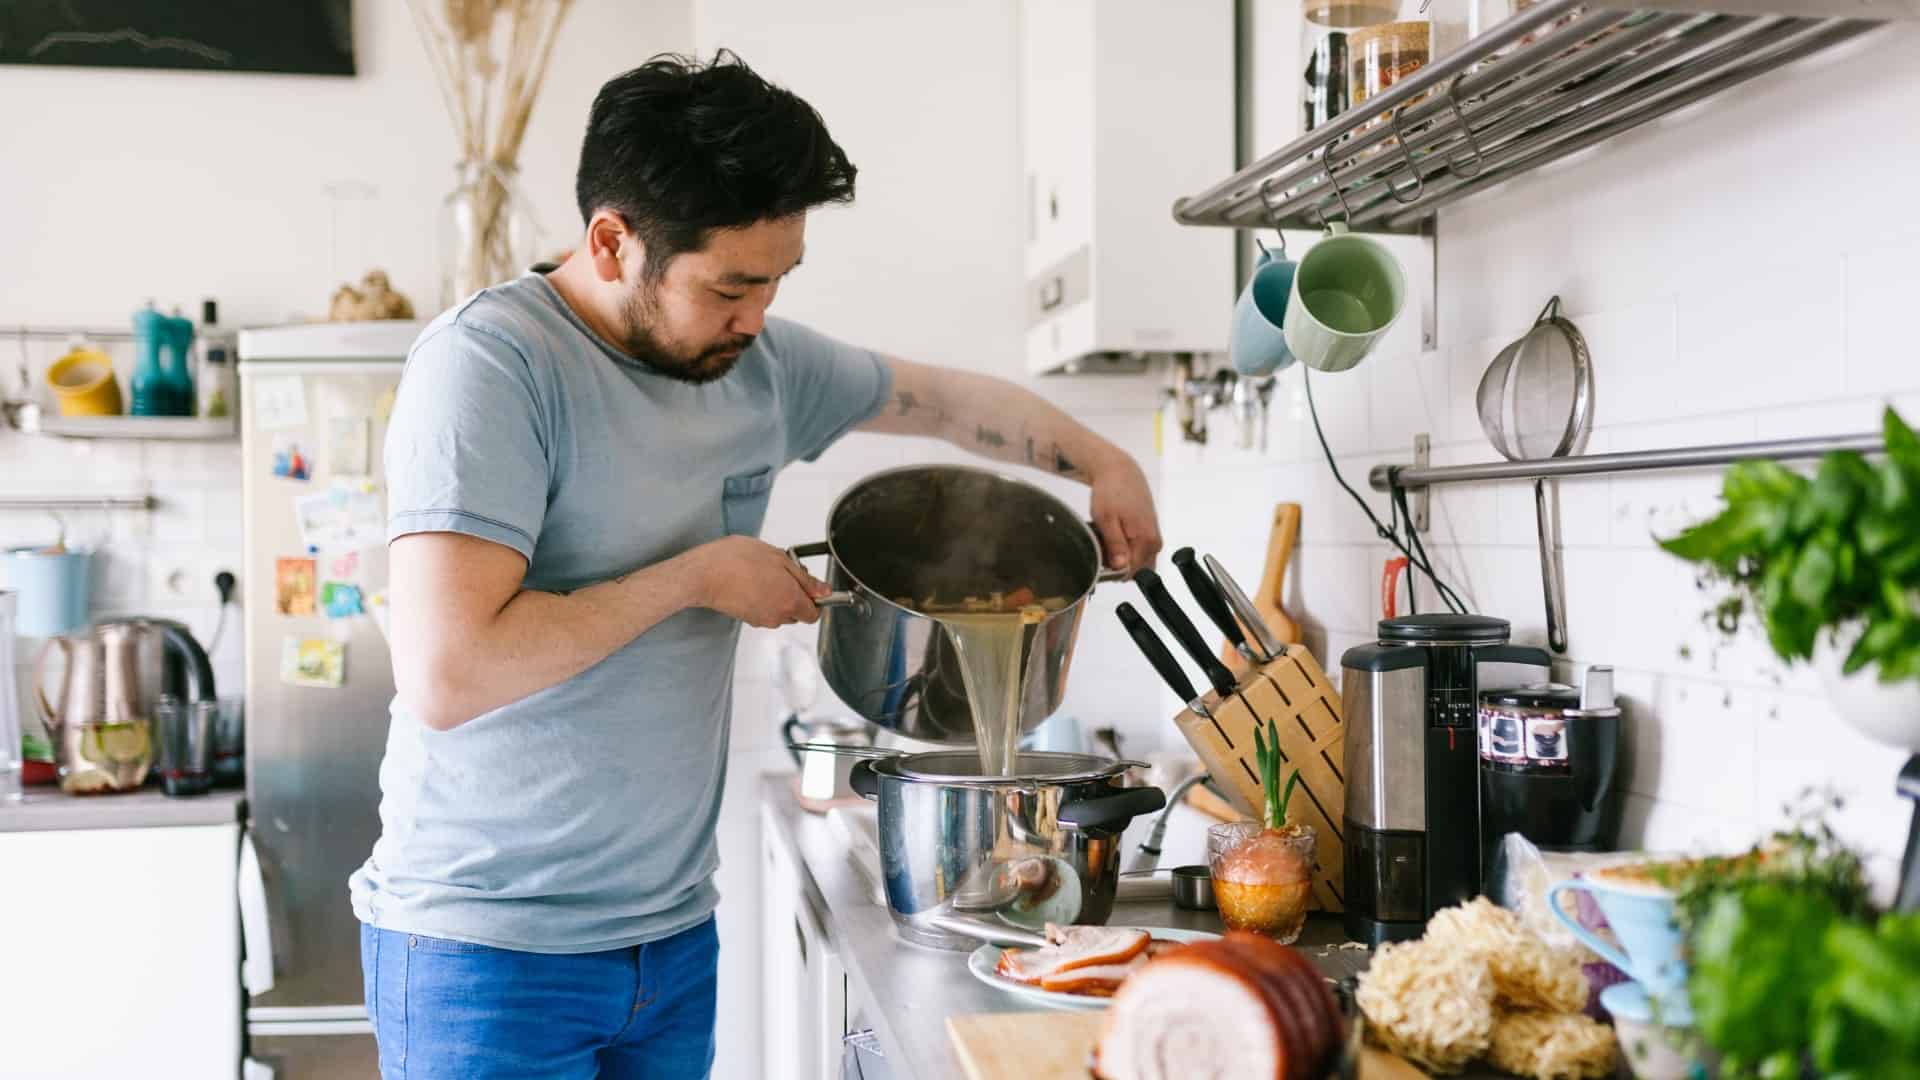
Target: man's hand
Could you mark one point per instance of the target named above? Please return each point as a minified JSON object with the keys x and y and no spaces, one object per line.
{"x":1123,"y":513}
{"x":754,"y":582}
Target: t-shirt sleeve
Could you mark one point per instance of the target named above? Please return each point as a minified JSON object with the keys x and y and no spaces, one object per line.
{"x":826,"y":387}
{"x":466,"y":447}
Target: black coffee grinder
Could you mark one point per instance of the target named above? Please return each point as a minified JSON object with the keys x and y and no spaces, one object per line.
{"x":1550,"y":764}
{"x":1412,"y":823}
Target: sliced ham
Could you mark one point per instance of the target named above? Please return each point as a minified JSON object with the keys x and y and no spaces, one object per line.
{"x":1100,"y":980}
{"x":1242,"y":1006}
{"x":1076,"y":947}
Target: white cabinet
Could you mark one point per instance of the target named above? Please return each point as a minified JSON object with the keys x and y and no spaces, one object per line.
{"x":1125,"y":106}
{"x":804,"y":1002}
{"x":122,"y":953}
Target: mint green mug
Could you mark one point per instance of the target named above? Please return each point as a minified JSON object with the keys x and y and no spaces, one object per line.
{"x":1347,"y":293}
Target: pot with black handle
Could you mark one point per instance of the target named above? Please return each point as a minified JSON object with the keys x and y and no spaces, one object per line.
{"x":905,"y":540}
{"x":1041,"y":846}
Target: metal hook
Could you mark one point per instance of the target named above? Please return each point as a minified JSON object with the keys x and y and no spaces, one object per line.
{"x":1273,"y":217}
{"x":1466,"y":129}
{"x":1326,"y":164}
{"x":1419,"y":182}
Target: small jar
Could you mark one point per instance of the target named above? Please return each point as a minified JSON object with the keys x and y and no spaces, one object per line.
{"x":1262,"y":878}
{"x":1379,"y":56}
{"x":1326,"y":26}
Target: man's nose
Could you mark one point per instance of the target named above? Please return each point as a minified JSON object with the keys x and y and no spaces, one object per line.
{"x":749,"y":321}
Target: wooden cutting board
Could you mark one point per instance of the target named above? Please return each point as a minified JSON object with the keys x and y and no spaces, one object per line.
{"x":1057,"y":1045}
{"x":1273,"y":582}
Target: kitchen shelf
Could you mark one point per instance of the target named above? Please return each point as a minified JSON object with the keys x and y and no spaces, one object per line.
{"x":1553,"y":80}
{"x":78,"y":502}
{"x":174,"y":428}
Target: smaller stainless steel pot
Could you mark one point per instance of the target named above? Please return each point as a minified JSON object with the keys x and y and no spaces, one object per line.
{"x":1193,"y":888}
{"x":824,"y":749}
{"x":1038,"y":847}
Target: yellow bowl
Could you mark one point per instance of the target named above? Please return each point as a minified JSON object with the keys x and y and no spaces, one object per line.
{"x":83,"y":381}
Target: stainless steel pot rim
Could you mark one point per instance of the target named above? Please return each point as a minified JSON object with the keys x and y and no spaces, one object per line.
{"x":1066,"y":513}
{"x":1032,"y":768}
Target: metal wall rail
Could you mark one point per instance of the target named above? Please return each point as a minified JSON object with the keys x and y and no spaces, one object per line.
{"x":78,"y":502}
{"x":63,"y":333}
{"x":1385,"y":477}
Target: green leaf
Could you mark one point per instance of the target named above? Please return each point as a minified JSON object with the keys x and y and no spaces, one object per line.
{"x":1839,"y":486}
{"x":1754,"y":974}
{"x":1894,"y":489}
{"x":1902,"y":445}
{"x":1877,"y":533}
{"x":1814,"y":572}
{"x":1749,"y":481}
{"x":1881,"y":635}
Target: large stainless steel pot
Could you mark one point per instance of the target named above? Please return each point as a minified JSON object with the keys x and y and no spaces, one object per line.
{"x":1038,"y":847}
{"x":948,"y":532}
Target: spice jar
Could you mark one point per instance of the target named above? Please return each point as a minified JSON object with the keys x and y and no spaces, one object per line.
{"x":1379,"y":56}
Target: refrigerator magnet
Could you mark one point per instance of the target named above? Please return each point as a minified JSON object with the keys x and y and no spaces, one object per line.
{"x":343,"y":566}
{"x":340,"y":519}
{"x":279,"y":401}
{"x":313,"y":662}
{"x":293,"y":586}
{"x":290,"y":460}
{"x":340,"y":600}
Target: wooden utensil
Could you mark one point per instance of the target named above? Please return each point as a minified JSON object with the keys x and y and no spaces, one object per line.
{"x":1057,"y":1045}
{"x":1273,"y":582}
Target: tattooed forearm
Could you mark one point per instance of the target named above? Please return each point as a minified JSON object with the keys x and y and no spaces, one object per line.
{"x":986,"y":436}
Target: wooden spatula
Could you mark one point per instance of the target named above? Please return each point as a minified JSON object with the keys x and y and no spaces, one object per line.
{"x":1273,"y":581}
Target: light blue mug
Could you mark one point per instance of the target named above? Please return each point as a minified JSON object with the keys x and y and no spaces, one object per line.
{"x":1641,"y":917}
{"x":1258,"y":345}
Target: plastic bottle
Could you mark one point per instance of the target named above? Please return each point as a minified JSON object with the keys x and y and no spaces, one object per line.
{"x":148,"y":383}
{"x":216,"y":363}
{"x":176,"y":343}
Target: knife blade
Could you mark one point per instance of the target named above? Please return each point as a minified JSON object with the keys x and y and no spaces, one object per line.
{"x":1243,"y":607}
{"x":1211,"y":601}
{"x":1184,"y":632}
{"x":1158,"y":655}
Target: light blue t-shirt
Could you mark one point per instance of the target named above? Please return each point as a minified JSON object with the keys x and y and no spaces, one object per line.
{"x":581,"y":818}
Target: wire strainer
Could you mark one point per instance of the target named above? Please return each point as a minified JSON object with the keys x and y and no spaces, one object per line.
{"x":1535,"y":402}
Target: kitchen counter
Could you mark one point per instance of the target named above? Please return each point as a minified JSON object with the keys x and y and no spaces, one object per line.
{"x":48,"y":809}
{"x":912,"y":990}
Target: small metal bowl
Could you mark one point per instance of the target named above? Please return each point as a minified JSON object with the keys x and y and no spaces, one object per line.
{"x":1193,"y":888}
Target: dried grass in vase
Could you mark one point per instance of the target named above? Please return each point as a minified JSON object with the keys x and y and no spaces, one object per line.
{"x":489,"y":59}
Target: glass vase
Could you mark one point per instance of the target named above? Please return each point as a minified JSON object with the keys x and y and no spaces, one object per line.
{"x":487,"y":233}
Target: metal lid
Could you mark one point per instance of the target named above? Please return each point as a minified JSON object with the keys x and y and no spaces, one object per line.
{"x":1550,"y":697}
{"x":963,"y":766}
{"x":1445,"y":629}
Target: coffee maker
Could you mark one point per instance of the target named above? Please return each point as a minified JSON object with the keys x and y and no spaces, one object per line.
{"x":1412,"y":821}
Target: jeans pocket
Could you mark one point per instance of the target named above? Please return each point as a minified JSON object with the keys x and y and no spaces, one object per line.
{"x":743,"y":501}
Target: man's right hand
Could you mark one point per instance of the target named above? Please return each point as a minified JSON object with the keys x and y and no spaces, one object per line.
{"x":755,"y":582}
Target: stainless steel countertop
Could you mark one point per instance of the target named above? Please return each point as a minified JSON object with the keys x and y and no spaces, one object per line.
{"x":48,"y":809}
{"x":912,"y":989}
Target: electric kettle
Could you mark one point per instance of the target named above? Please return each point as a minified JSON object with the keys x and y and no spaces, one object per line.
{"x":116,"y":671}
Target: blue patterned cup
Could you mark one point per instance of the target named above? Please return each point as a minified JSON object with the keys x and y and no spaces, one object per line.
{"x":1640,"y":913}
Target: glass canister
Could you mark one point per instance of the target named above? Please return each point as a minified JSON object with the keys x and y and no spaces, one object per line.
{"x":1456,"y":22}
{"x":1381,"y":55}
{"x":1325,"y":28}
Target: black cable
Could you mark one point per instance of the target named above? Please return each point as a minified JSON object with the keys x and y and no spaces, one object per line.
{"x":1418,"y":561}
{"x":1399,"y":495}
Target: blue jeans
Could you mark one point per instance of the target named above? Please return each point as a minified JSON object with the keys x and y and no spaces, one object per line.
{"x":443,"y":1010}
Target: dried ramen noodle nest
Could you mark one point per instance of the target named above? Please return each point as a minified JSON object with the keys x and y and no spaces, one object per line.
{"x":1430,"y":1004}
{"x":1527,"y":972}
{"x":1551,"y":1046}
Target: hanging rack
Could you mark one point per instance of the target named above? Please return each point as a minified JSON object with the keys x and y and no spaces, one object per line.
{"x":1387,"y":477}
{"x":79,"y":502}
{"x":63,"y":333}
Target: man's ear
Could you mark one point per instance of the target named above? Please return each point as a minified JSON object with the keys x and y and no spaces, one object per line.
{"x":609,"y":243}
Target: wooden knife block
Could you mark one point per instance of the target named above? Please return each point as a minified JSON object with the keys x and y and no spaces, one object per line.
{"x":1294,"y":692}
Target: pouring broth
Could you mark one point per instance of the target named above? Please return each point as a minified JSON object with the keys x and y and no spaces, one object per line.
{"x":991,"y":634}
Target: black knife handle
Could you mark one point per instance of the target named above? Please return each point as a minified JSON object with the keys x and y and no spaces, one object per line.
{"x":1184,"y":632}
{"x":1157,"y":654}
{"x":1209,"y":597}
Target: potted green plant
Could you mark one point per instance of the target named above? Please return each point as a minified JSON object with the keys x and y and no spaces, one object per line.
{"x":1830,"y":567}
{"x":1263,"y":870}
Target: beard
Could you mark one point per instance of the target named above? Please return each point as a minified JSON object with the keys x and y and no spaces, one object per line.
{"x":640,"y":338}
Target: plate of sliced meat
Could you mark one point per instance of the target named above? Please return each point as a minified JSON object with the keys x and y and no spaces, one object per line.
{"x":1081,"y":967}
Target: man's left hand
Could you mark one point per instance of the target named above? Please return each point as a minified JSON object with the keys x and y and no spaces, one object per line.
{"x":1123,"y":513}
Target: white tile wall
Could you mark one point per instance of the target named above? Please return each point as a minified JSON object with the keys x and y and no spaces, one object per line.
{"x":1737,"y":276}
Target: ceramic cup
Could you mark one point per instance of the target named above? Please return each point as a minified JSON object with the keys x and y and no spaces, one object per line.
{"x":1640,"y":914}
{"x":1346,"y":295}
{"x":1258,"y":345}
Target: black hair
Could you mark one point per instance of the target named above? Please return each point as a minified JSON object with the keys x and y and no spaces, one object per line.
{"x":679,"y":149}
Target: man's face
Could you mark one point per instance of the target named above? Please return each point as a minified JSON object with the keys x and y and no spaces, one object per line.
{"x":695,"y":321}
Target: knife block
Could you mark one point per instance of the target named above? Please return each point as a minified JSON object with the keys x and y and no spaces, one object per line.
{"x":1294,"y":692}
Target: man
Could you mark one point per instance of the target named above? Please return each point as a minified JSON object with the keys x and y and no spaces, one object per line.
{"x":579,"y":464}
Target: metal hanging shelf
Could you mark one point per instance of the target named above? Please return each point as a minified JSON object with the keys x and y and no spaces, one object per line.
{"x":1553,"y":80}
{"x":78,"y":502}
{"x":1413,"y":477}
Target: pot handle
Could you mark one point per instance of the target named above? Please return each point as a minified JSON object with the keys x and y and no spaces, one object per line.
{"x":1105,"y":576}
{"x":832,"y":599}
{"x":786,"y":736}
{"x":1111,"y":811}
{"x":863,"y":780}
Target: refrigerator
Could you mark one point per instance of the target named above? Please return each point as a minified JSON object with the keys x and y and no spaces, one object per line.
{"x":314,"y":406}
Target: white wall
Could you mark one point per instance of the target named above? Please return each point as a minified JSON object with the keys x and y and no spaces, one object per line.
{"x":1739,"y":274}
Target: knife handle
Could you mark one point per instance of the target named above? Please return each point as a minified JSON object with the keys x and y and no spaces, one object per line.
{"x":1184,"y":632}
{"x":1157,"y":654}
{"x":1208,"y":596}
